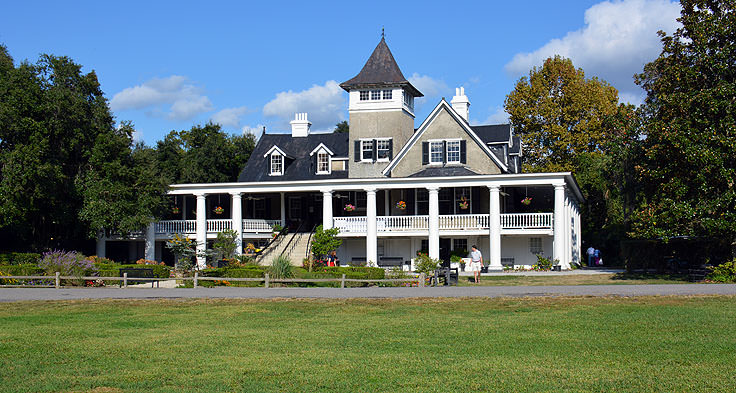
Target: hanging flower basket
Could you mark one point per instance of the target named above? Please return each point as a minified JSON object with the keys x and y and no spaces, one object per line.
{"x":349,"y":208}
{"x":401,"y":205}
{"x":464,"y":203}
{"x":526,"y":201}
{"x":219,"y":210}
{"x":175,"y":210}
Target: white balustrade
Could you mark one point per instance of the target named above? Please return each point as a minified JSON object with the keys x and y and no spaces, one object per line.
{"x":177,"y":226}
{"x":464,"y":222}
{"x":350,"y":224}
{"x":259,"y":225}
{"x":219,"y":225}
{"x":527,"y":221}
{"x":402,"y":223}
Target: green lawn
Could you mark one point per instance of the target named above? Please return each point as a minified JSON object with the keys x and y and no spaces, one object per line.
{"x":578,"y":279}
{"x":666,"y":344}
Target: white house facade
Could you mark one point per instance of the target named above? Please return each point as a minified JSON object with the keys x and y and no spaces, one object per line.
{"x":392,"y":189}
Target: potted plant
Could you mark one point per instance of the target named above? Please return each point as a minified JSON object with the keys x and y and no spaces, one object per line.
{"x":464,"y":203}
{"x":349,"y":208}
{"x":459,"y":260}
{"x":219,"y":210}
{"x":401,"y":205}
{"x":175,"y":210}
{"x":526,"y":201}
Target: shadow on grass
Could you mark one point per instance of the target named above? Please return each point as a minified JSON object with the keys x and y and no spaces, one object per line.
{"x":624,"y":276}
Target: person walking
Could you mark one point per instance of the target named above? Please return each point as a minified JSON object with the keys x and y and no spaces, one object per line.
{"x":591,"y":256}
{"x":476,"y":261}
{"x":597,"y":257}
{"x":332,"y":259}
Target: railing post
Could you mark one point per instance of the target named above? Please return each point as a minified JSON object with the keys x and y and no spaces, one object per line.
{"x":125,"y":279}
{"x":265,"y":282}
{"x":422,"y":280}
{"x":342,"y":281}
{"x":196,"y":279}
{"x":58,"y":280}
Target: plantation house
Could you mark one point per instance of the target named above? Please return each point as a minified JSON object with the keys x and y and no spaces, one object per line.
{"x":392,"y":189}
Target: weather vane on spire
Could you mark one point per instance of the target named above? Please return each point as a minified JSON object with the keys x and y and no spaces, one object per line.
{"x":383,"y":34}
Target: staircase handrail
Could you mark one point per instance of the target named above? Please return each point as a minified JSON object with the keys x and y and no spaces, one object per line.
{"x":289,"y":246}
{"x":278,"y":238}
{"x":309,"y":241}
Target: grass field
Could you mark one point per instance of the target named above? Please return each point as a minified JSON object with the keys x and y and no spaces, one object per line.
{"x":577,"y":279}
{"x":666,"y":344}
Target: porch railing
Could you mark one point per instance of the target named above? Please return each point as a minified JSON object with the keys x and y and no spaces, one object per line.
{"x":464,"y":221}
{"x":402,"y":223}
{"x":177,"y":226}
{"x":527,"y":221}
{"x":219,"y":225}
{"x":259,"y":225}
{"x":350,"y":224}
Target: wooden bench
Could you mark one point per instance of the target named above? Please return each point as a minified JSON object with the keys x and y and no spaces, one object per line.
{"x":137,"y":272}
{"x":390,"y":262}
{"x":448,"y":275}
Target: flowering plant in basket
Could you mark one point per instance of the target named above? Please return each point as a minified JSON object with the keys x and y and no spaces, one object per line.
{"x":401,"y":205}
{"x":526,"y":201}
{"x":219,"y":210}
{"x":349,"y":208}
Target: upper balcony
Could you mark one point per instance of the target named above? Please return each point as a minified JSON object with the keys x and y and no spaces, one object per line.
{"x":466,"y":224}
{"x":251,"y":227}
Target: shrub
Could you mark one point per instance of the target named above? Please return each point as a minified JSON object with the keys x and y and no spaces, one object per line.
{"x":325,"y":241}
{"x":23,"y":270}
{"x":281,"y":267}
{"x":426,"y":265}
{"x":19,"y":258}
{"x":68,"y":263}
{"x":225,"y":244}
{"x":113,"y":270}
{"x":243,"y":261}
{"x":544,"y":263}
{"x":725,"y":272}
{"x":7,"y":281}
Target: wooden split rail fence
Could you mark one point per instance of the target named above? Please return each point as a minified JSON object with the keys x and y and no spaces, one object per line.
{"x":420,"y":280}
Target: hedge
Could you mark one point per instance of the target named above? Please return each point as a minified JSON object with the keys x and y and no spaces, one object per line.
{"x":26,"y":269}
{"x":113,"y":270}
{"x":241,"y":272}
{"x":356,"y":272}
{"x":19,"y":258}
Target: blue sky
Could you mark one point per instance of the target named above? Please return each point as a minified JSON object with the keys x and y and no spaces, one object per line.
{"x":169,"y":65}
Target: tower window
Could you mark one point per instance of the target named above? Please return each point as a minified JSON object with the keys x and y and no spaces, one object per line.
{"x":383,"y":149}
{"x":375,"y":95}
{"x":408,"y":100}
{"x":387,"y":94}
{"x":364,"y":94}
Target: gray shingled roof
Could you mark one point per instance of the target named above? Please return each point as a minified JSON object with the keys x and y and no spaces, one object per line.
{"x":493,"y":133}
{"x":444,"y":171}
{"x":380,"y":70}
{"x":516,"y":146}
{"x":302,"y":165}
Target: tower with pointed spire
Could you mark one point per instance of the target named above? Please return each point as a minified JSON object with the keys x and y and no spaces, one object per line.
{"x":381,"y":109}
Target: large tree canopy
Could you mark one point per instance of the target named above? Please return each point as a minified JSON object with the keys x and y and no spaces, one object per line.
{"x":689,"y":168}
{"x":203,"y":154}
{"x":558,"y":113}
{"x":66,"y":171}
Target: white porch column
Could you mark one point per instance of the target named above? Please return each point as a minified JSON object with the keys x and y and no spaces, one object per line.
{"x":101,"y":244}
{"x":568,"y":230}
{"x":237,"y":218}
{"x":559,"y":225}
{"x":494,"y":254}
{"x":434,"y":223}
{"x":151,"y":242}
{"x":183,"y":207}
{"x":283,"y":209}
{"x":371,"y":235}
{"x":201,"y":233}
{"x":327,"y":209}
{"x":578,"y":237}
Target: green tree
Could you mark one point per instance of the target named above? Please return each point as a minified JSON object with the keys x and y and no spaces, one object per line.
{"x":558,"y":113}
{"x":203,"y":154}
{"x":689,"y":170}
{"x":325,"y":241}
{"x":225,"y":245}
{"x":57,"y":140}
{"x":342,"y":127}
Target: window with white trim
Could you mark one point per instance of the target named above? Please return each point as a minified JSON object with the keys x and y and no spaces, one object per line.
{"x":364,"y":95}
{"x":323,"y":163}
{"x":277,"y":164}
{"x":387,"y":94}
{"x":435,"y":152}
{"x":383,"y":147}
{"x":453,"y":151}
{"x":408,"y":100}
{"x":366,"y":150}
{"x":375,"y":95}
{"x":535,"y":245}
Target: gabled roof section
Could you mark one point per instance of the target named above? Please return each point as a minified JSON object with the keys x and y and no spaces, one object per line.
{"x":276,"y":149}
{"x":321,"y":146}
{"x":465,"y":126}
{"x":380,"y":70}
{"x":497,"y":133}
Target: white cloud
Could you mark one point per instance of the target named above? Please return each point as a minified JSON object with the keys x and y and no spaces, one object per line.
{"x":429,"y":86}
{"x":185,"y":99}
{"x":324,"y":104}
{"x":229,"y":117}
{"x":499,"y":116}
{"x":257,"y":131}
{"x":618,"y":38}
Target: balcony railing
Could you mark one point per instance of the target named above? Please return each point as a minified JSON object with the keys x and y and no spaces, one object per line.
{"x":189,"y":227}
{"x":458,"y":222}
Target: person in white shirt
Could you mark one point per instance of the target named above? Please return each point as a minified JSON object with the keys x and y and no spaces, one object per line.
{"x":591,"y":255}
{"x":476,"y":261}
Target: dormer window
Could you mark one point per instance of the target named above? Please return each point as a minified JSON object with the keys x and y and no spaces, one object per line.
{"x":277,"y":164}
{"x":323,"y":163}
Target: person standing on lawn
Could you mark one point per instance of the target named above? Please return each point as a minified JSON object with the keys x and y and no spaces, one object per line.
{"x":476,"y":261}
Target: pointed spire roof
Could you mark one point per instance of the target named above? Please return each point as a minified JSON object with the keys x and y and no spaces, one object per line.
{"x":379,"y":71}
